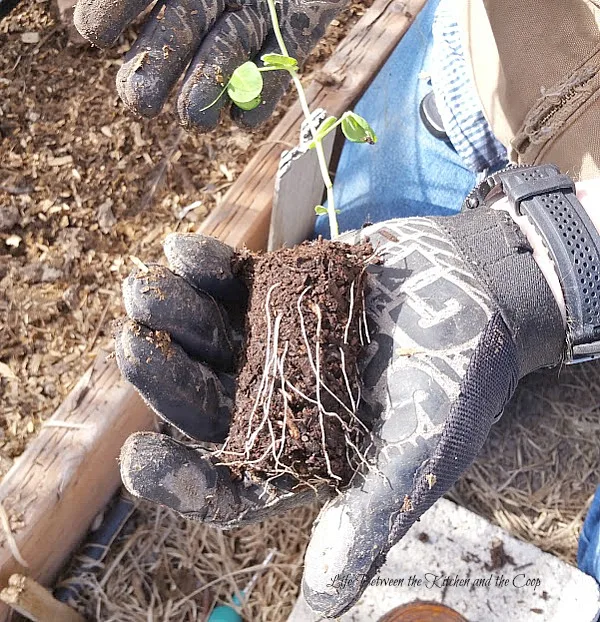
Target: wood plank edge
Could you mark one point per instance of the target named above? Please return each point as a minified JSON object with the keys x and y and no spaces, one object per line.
{"x":66,"y":476}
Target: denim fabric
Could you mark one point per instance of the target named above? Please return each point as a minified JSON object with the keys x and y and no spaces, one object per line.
{"x":456,"y":96}
{"x":407,"y":172}
{"x":588,"y":553}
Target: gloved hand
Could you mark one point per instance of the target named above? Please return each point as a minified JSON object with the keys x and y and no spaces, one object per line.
{"x":211,"y":38}
{"x":460,"y":310}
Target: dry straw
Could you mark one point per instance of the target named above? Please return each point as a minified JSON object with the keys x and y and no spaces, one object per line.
{"x":539,"y":469}
{"x":172,"y":570}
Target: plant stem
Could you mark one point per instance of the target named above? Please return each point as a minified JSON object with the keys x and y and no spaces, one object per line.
{"x":276,"y":28}
{"x":333,"y":224}
{"x":216,"y":99}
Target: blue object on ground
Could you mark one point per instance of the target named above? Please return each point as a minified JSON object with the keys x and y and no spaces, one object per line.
{"x":588,"y":553}
{"x":224,"y":613}
{"x":227,"y":613}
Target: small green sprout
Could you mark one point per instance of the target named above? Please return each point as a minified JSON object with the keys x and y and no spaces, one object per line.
{"x":280,"y":61}
{"x":357,"y":129}
{"x":245,"y":86}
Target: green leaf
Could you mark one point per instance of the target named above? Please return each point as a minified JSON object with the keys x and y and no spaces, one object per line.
{"x":322,"y":131}
{"x":245,"y":84}
{"x":324,"y":127}
{"x":320,"y":210}
{"x":357,"y":129}
{"x":251,"y":105}
{"x":279,"y":61}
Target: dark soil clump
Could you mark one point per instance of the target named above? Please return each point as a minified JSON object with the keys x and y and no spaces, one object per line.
{"x":306,"y":318}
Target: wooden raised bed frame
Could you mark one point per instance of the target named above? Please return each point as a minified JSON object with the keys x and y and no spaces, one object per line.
{"x":69,"y":471}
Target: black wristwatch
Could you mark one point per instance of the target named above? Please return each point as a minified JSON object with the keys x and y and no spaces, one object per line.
{"x":548,"y":198}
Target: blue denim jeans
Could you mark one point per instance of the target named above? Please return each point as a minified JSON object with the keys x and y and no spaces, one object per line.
{"x":407,"y":172}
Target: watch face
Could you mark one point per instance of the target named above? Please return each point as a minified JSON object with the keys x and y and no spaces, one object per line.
{"x":421,"y":611}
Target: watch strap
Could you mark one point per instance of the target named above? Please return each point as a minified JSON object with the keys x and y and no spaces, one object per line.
{"x":548,"y":199}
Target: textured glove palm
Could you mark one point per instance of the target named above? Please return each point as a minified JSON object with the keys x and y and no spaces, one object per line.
{"x":206,"y":40}
{"x":451,"y":340}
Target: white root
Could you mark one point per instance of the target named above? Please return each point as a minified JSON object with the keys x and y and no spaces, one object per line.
{"x":285,"y":398}
{"x":316,"y":309}
{"x":274,"y":372}
{"x":303,"y":327}
{"x":251,"y":436}
{"x":273,"y":445}
{"x":302,"y":395}
{"x":364,"y":319}
{"x":316,"y":371}
{"x":274,"y":367}
{"x":319,"y":383}
{"x":347,"y":380}
{"x":319,"y":380}
{"x":350,"y":312}
{"x":267,"y":357}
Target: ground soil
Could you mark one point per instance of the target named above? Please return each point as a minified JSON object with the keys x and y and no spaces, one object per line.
{"x":305,"y":318}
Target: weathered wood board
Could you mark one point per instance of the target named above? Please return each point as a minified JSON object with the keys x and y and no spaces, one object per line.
{"x":68,"y":473}
{"x":299,"y":186}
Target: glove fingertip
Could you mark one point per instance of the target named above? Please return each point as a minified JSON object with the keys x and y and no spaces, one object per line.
{"x":101,"y":22}
{"x":212,"y":255}
{"x":328,"y":557}
{"x":158,"y":468}
{"x":163,"y":301}
{"x":194,"y":107}
{"x":251,"y":119}
{"x":91,"y":28}
{"x":141,"y":94}
{"x":183,"y":392}
{"x":206,"y":263}
{"x":132,"y":464}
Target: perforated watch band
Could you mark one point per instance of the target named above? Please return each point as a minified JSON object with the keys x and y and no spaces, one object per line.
{"x":548,"y":198}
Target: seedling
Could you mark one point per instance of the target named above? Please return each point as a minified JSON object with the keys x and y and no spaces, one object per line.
{"x":298,"y":389}
{"x":245,"y":86}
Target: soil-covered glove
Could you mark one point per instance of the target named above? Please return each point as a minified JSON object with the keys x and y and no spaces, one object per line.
{"x":460,"y":312}
{"x":209,"y":39}
{"x":177,"y":348}
{"x":6,"y":6}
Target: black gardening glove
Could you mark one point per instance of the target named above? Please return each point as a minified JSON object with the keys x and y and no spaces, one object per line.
{"x":459,"y":312}
{"x":206,"y":40}
{"x":6,"y":6}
